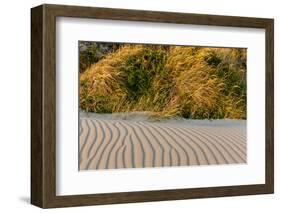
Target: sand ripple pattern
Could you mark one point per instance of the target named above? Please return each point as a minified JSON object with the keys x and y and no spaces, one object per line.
{"x":115,"y":144}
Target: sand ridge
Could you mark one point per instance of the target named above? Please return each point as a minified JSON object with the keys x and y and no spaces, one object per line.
{"x":117,"y":143}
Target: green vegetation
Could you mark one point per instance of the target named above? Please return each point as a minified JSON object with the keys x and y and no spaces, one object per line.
{"x":167,"y":81}
{"x":90,"y":53}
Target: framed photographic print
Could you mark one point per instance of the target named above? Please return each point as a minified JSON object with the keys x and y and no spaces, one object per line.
{"x":135,"y":106}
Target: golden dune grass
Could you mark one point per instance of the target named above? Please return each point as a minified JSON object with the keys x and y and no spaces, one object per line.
{"x":168,"y":81}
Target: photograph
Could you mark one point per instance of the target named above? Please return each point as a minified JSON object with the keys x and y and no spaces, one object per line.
{"x":140,"y":105}
{"x":153,"y":105}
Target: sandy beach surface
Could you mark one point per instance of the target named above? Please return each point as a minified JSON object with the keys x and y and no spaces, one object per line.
{"x":114,"y":142}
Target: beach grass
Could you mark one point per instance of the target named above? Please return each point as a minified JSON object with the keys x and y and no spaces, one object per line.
{"x":167,"y":81}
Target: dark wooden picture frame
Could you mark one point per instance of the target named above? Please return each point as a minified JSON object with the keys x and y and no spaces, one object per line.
{"x":43,"y":105}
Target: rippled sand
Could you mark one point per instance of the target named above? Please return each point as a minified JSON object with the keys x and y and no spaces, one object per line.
{"x":108,"y":142}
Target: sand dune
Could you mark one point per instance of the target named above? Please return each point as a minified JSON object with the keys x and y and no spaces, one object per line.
{"x":113,"y":143}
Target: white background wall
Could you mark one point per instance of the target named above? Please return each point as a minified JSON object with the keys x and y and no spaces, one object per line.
{"x":15,"y":105}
